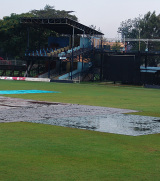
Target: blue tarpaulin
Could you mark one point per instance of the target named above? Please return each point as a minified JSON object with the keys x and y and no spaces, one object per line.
{"x":25,"y":91}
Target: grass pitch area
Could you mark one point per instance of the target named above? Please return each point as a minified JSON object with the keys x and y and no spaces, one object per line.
{"x":43,"y":152}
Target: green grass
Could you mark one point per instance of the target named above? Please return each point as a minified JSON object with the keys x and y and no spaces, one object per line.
{"x":42,"y":152}
{"x":147,"y":101}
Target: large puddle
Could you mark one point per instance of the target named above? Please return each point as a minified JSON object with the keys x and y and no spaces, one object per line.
{"x":114,"y":123}
{"x":103,"y":119}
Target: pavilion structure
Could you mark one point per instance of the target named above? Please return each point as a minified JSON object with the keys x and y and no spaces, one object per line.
{"x":62,"y":26}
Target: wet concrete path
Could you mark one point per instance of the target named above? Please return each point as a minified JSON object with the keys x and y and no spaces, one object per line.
{"x":104,"y":119}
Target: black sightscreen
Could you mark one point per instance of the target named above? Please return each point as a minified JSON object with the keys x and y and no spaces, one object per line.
{"x":122,"y":68}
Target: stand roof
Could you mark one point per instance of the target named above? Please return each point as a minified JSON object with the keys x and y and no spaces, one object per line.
{"x":61,"y":25}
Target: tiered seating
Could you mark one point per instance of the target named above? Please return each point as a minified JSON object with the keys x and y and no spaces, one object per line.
{"x":61,"y":52}
{"x":41,"y":52}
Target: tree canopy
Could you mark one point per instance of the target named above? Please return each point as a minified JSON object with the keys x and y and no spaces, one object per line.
{"x":51,"y":12}
{"x":146,"y":27}
{"x":13,"y":35}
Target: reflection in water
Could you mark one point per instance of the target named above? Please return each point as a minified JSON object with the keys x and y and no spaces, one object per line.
{"x":141,"y":129}
{"x":157,"y":120}
{"x":112,"y":123}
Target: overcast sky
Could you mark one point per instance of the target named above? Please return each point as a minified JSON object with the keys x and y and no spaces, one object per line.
{"x":104,"y":14}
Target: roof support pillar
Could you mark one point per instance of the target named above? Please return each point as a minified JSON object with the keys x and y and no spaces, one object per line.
{"x":28,"y":38}
{"x":83,"y":50}
{"x":72,"y":54}
{"x":49,"y":68}
{"x":101,"y":70}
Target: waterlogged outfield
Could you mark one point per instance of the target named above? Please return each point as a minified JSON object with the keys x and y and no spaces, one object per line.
{"x":43,"y":152}
{"x":147,"y":101}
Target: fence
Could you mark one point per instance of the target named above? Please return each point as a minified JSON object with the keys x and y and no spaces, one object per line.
{"x":12,"y":62}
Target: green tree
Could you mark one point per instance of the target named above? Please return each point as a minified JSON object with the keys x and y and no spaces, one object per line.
{"x":146,"y":27}
{"x":51,"y":12}
{"x":116,"y":46}
{"x":13,"y":34}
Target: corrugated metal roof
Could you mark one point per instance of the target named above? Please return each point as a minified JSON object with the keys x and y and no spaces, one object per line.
{"x":61,"y":25}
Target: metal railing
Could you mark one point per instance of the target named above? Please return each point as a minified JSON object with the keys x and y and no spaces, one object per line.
{"x":13,"y":62}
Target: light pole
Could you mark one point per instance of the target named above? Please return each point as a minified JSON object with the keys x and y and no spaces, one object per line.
{"x":139,"y":39}
{"x":124,"y":48}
